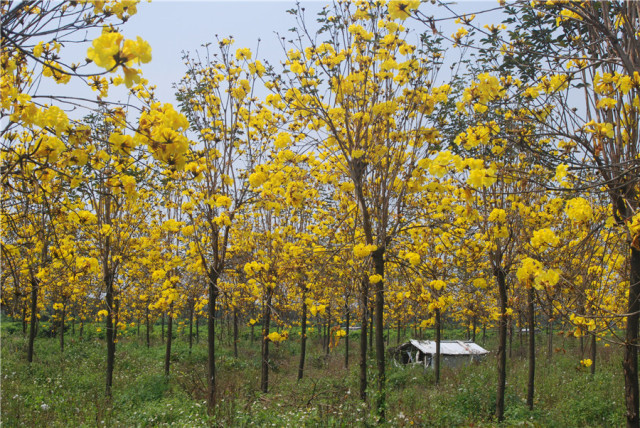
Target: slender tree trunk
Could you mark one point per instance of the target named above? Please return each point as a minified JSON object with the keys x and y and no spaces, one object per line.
{"x":167,"y":355}
{"x":378,"y":261}
{"x":111,"y":331}
{"x":630,"y":362}
{"x":264,"y":372}
{"x":211,"y":341}
{"x":520,"y":333}
{"x":550,"y":341}
{"x":191,"y":326}
{"x":388,"y":336}
{"x":148,"y":327}
{"x":252,"y":334}
{"x":229,"y":328}
{"x":398,"y":334}
{"x":81,"y":328}
{"x":303,"y":334}
{"x":474,"y":325}
{"x":346,"y":338}
{"x":24,"y":319}
{"x":235,"y":332}
{"x":532,"y":347}
{"x":371,"y":324}
{"x":502,"y":335}
{"x":197,"y":328}
{"x":364,"y":304}
{"x":328,"y":331}
{"x":34,"y":319}
{"x":436,"y":362}
{"x":484,"y":333}
{"x":62,"y":314}
{"x":162,"y":323}
{"x":593,"y":353}
{"x":511,"y":337}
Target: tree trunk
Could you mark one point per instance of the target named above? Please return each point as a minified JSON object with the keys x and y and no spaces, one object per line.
{"x":398,"y":334}
{"x":162,"y":323}
{"x":303,"y":334}
{"x":197,"y":328}
{"x":520,"y":333}
{"x":167,"y":355}
{"x":191,"y":326}
{"x":24,"y":319}
{"x":62,"y":314}
{"x":378,"y":261}
{"x":371,"y":324}
{"x":436,"y":362}
{"x":111,"y":331}
{"x":550,"y":341}
{"x":593,"y":353}
{"x":630,"y":362}
{"x":346,"y":338}
{"x":264,"y":372}
{"x":511,"y":338}
{"x":328,"y":331}
{"x":148,"y":327}
{"x":502,"y":335}
{"x":364,"y":302}
{"x":235,"y":332}
{"x":474,"y":325}
{"x":532,"y":347}
{"x":211,"y":341}
{"x":34,"y":318}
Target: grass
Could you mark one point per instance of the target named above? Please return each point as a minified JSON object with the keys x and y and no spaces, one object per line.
{"x":68,"y":389}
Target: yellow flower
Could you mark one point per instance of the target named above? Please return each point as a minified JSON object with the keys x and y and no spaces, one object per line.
{"x":578,"y":209}
{"x":283,"y":140}
{"x":414,"y":258}
{"x":374,"y":279}
{"x":586,"y":362}
{"x":362,"y":250}
{"x":401,"y":9}
{"x":243,"y":53}
{"x":544,"y":237}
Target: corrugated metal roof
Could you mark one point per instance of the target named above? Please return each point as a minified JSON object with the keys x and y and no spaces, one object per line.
{"x":449,"y":347}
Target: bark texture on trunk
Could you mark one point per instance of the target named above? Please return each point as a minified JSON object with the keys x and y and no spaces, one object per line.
{"x":167,"y":355}
{"x":346,"y":338}
{"x":532,"y":347}
{"x":62,"y":315}
{"x":630,"y":362}
{"x":266,"y":319}
{"x":436,"y":362}
{"x":502,"y":342}
{"x":34,"y":318}
{"x":364,"y":305}
{"x":378,"y":261}
{"x":111,"y":332}
{"x":593,"y":353}
{"x":235,"y":332}
{"x":303,"y":335}
{"x":211,"y":341}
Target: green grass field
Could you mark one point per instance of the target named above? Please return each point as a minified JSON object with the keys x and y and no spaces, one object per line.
{"x":67,"y":390}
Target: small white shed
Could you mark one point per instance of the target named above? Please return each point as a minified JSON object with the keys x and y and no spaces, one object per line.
{"x":453,"y":353}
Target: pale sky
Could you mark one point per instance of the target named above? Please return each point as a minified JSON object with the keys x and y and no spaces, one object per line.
{"x":175,"y":26}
